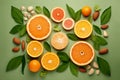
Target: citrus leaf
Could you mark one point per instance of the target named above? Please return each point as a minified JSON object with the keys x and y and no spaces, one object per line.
{"x":62,"y":67}
{"x":106,"y":15}
{"x":96,"y":46}
{"x":17,"y":15}
{"x":38,"y":9}
{"x":43,"y":73}
{"x":97,"y":29}
{"x":72,"y":36}
{"x":47,"y":46}
{"x":97,"y":8}
{"x":74,"y":69}
{"x":56,"y":28}
{"x":16,"y":29}
{"x":14,"y":63}
{"x":90,"y":19}
{"x":63,"y":56}
{"x":78,"y":15}
{"x":22,"y":31}
{"x":28,"y":39}
{"x":104,"y":66}
{"x":23,"y":64}
{"x":46,"y":12}
{"x":71,"y":11}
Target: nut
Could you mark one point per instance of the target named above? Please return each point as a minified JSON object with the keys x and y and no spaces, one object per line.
{"x":96,"y":15}
{"x":103,"y":51}
{"x":95,"y":65}
{"x":104,"y":26}
{"x":25,"y":18}
{"x":105,"y":34}
{"x":88,"y":67}
{"x":97,"y":72}
{"x":25,"y":14}
{"x":32,"y":12}
{"x":22,"y":8}
{"x":23,"y":45}
{"x":16,"y":40}
{"x":91,"y":71}
{"x":30,"y":8}
{"x":15,"y":49}
{"x":82,"y":69}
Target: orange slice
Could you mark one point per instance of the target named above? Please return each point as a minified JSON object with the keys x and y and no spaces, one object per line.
{"x":83,"y":29}
{"x":68,"y":23}
{"x":50,"y":61}
{"x":34,"y":65}
{"x":82,"y":53}
{"x":34,"y":49}
{"x":59,"y":40}
{"x":39,"y":27}
{"x":57,"y":14}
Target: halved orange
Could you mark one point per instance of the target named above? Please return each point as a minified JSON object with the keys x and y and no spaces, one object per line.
{"x":68,"y":23}
{"x":50,"y":61}
{"x":57,"y":14}
{"x":82,"y":53}
{"x":34,"y":49}
{"x":34,"y":65}
{"x":39,"y":27}
{"x":83,"y":29}
{"x":59,"y":40}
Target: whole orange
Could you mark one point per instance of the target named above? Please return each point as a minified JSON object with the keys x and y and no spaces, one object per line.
{"x":86,"y":11}
{"x":34,"y":65}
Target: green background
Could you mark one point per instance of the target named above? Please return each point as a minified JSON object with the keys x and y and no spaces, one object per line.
{"x":6,"y":23}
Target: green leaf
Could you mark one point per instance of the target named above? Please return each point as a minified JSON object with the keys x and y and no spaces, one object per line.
{"x":43,"y":73}
{"x":90,"y":19}
{"x":47,"y":46}
{"x":63,"y":56}
{"x":14,"y":63}
{"x":23,"y":31}
{"x":28,"y":39}
{"x":74,"y":69}
{"x":38,"y":9}
{"x":104,"y":66}
{"x":96,"y":45}
{"x":78,"y":15}
{"x":23,"y":64}
{"x":71,"y":11}
{"x":46,"y":12}
{"x":72,"y":36}
{"x":97,"y":8}
{"x":17,"y":15}
{"x":56,"y":28}
{"x":106,"y":15}
{"x":16,"y":29}
{"x":97,"y":29}
{"x":62,"y":67}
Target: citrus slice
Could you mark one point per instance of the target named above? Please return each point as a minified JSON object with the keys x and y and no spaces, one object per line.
{"x":34,"y":65}
{"x":50,"y":61}
{"x":57,"y":14}
{"x":83,"y":29}
{"x":34,"y":49}
{"x":39,"y":27}
{"x":68,"y":23}
{"x":59,"y":40}
{"x":82,"y":53}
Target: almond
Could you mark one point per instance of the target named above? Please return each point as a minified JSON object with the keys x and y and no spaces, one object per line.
{"x":95,"y":65}
{"x":103,"y":51}
{"x":91,"y":71}
{"x":16,"y":40}
{"x":96,"y":15}
{"x":15,"y":49}
{"x":82,"y":69}
{"x":104,"y":26}
{"x":23,"y":45}
{"x":105,"y":34}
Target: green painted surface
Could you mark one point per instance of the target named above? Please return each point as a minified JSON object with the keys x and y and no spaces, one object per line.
{"x":6,"y":23}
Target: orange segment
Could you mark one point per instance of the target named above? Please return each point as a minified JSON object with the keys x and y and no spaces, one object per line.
{"x":82,"y":53}
{"x":50,"y":61}
{"x":39,"y":27}
{"x":59,"y":41}
{"x":57,"y":14}
{"x":83,"y":29}
{"x":34,"y":48}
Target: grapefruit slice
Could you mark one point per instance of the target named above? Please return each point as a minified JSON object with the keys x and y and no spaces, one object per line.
{"x":34,"y":65}
{"x":82,"y":53}
{"x":59,"y":41}
{"x":34,"y":49}
{"x":39,"y":27}
{"x":83,"y":29}
{"x":50,"y":61}
{"x":57,"y":14}
{"x":68,"y":23}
